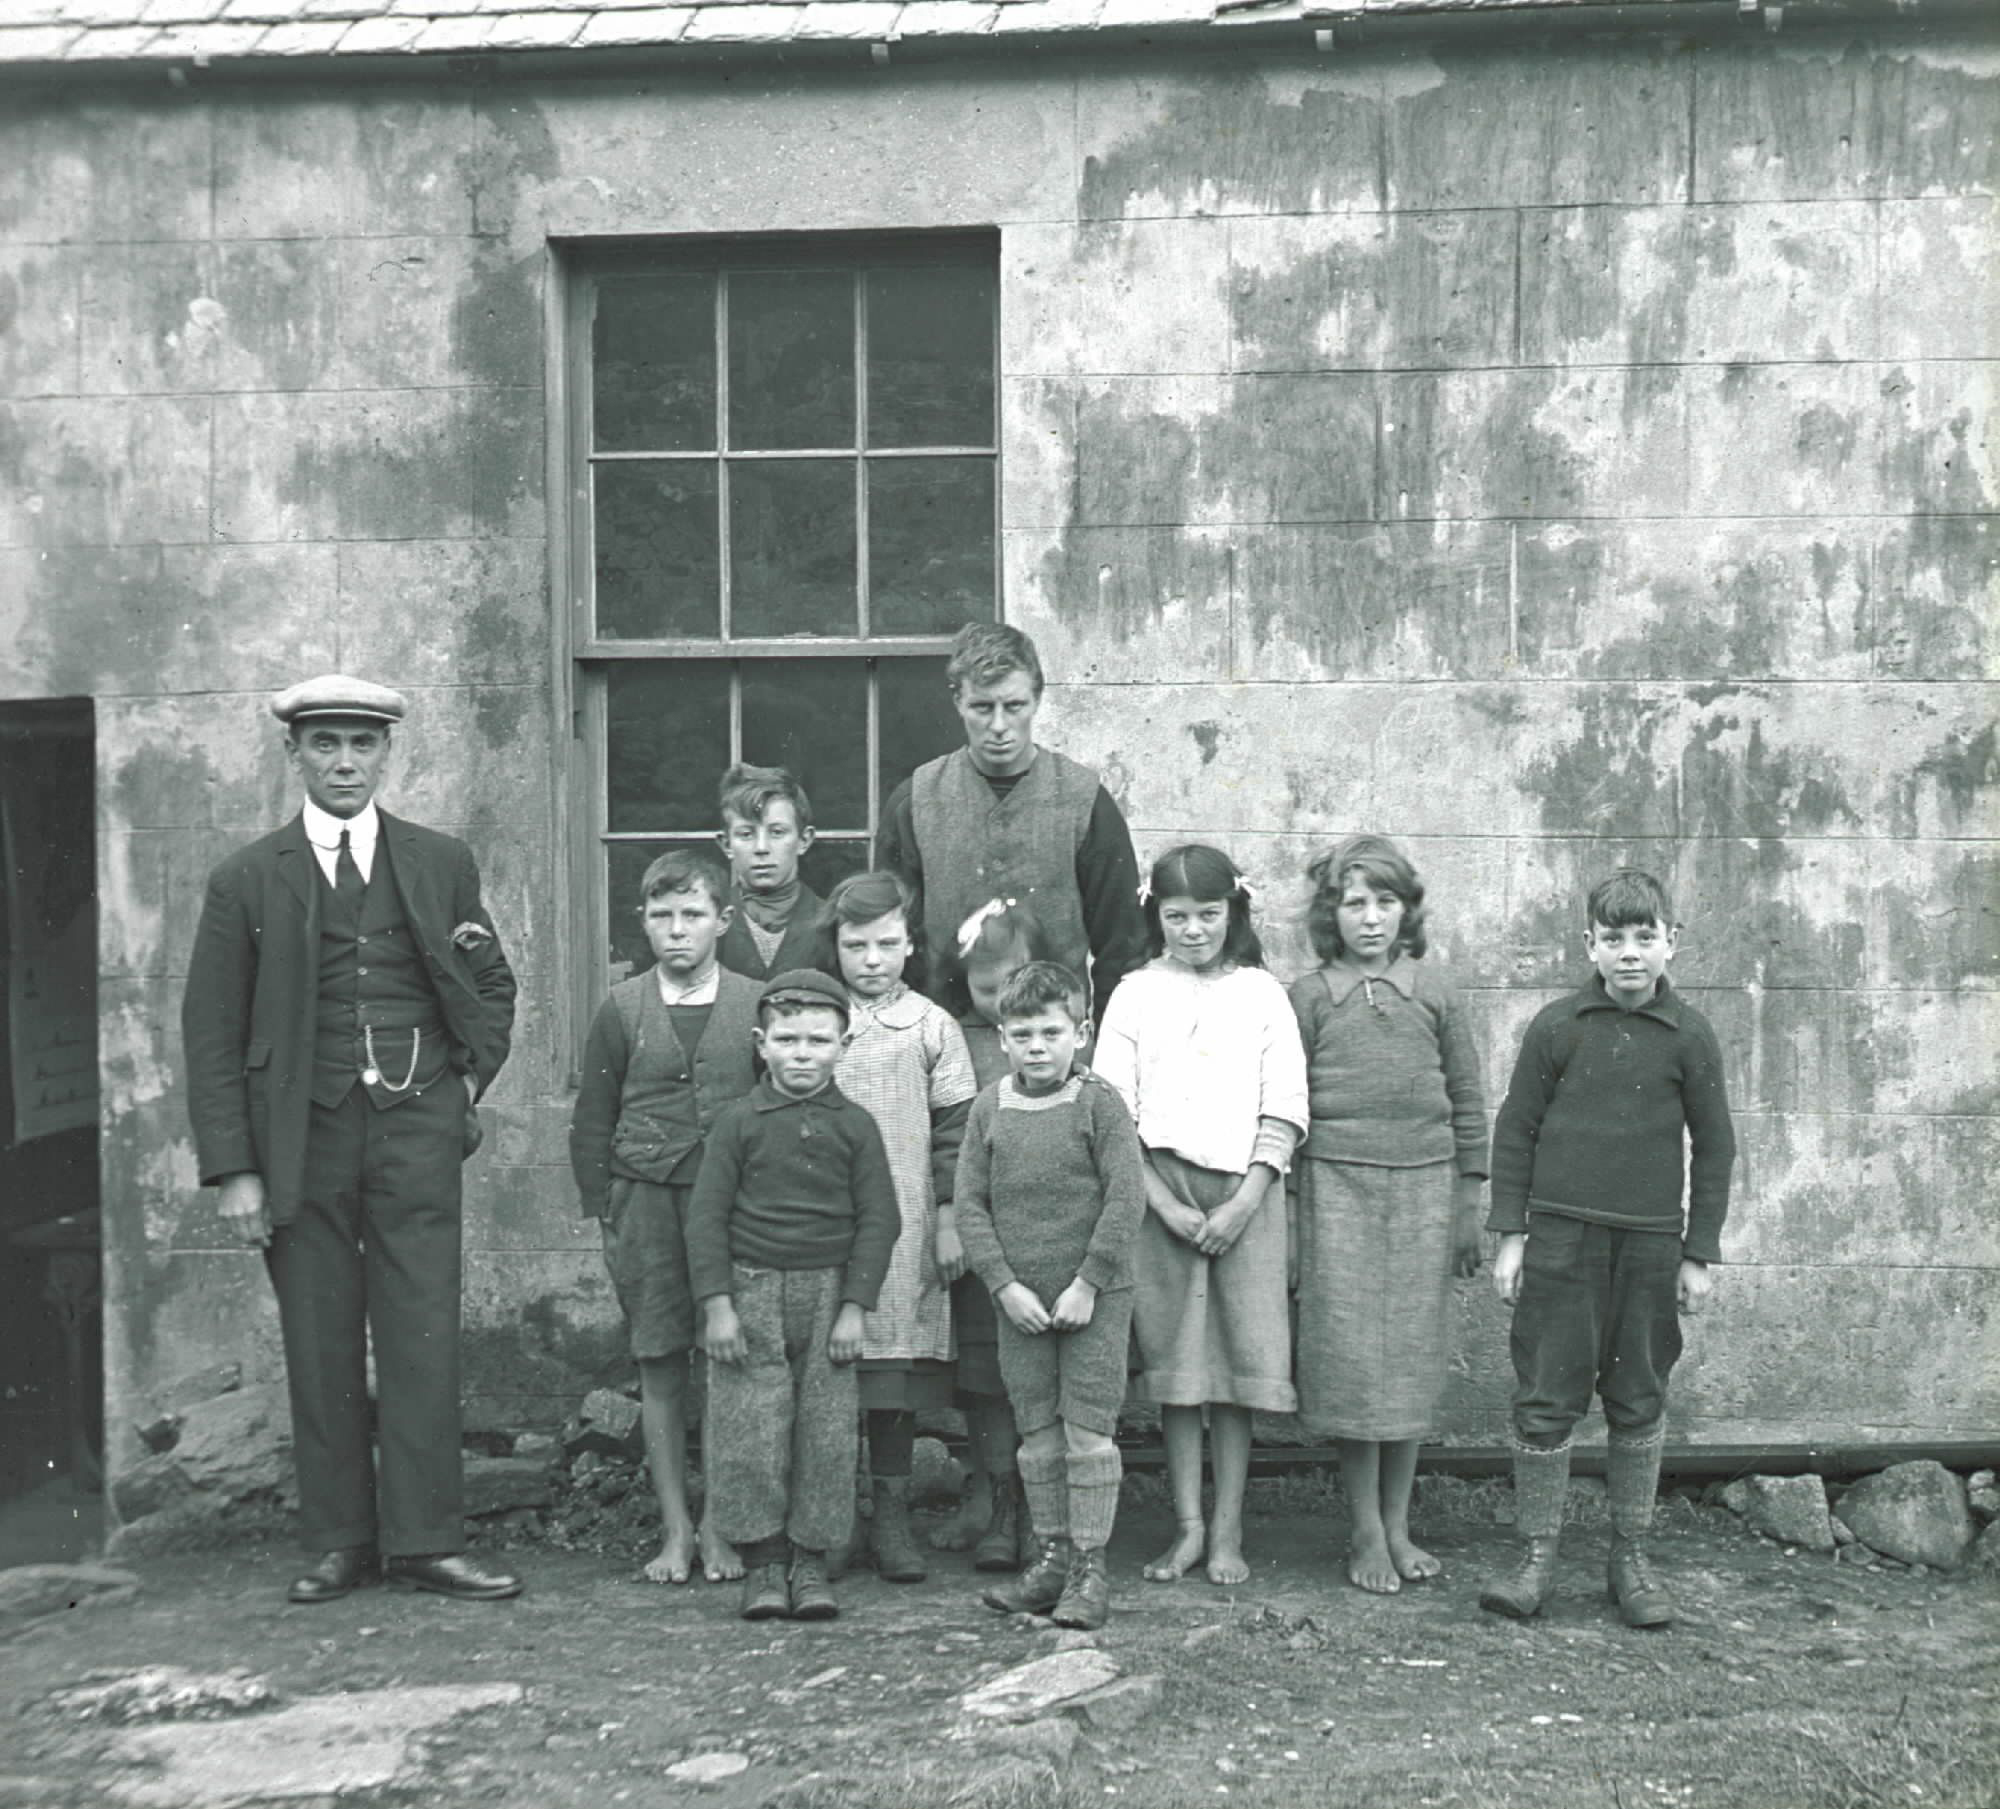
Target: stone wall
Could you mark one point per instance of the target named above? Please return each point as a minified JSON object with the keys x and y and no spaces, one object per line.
{"x":1548,"y":451}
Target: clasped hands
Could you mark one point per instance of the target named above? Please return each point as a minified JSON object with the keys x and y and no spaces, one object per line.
{"x":723,"y":1338}
{"x":1071,"y":1312}
{"x":1211,"y":1233}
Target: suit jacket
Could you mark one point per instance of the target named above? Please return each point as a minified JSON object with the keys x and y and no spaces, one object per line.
{"x":252,"y":993}
{"x":737,"y":949}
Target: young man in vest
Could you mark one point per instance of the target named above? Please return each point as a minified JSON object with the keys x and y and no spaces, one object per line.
{"x":1003,"y":818}
{"x":347,"y":1003}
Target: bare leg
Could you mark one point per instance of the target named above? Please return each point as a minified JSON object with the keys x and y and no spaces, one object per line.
{"x":1229,"y":1443}
{"x":719,"y":1560}
{"x":1369,"y":1565}
{"x":1181,"y":1427}
{"x":1399,"y":1475}
{"x":663,"y":1422}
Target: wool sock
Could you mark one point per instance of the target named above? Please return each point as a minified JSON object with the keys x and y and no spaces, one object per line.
{"x":1093,"y":1479}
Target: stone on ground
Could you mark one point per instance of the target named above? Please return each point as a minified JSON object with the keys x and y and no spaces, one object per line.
{"x":324,"y":1746}
{"x":168,"y":1693}
{"x":1120,"y":1705}
{"x":237,"y":1444}
{"x":494,"y":1485}
{"x":1789,"y":1509}
{"x":1028,"y":1691}
{"x":1914,"y":1512}
{"x":28,"y":1591}
{"x":1982,"y":1496}
{"x":607,"y":1422}
{"x":937,"y":1479}
{"x":1051,"y":1739}
{"x":1985,"y":1553}
{"x":709,"y":1767}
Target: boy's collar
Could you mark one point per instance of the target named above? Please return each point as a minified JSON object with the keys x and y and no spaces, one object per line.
{"x":1665,"y":1003}
{"x":770,"y":1097}
{"x":1342,"y":977}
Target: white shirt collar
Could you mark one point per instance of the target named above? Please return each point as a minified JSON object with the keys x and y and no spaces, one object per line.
{"x":323,"y":827}
{"x":702,"y":992}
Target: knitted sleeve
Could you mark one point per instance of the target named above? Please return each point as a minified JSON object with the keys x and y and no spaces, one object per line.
{"x":1114,"y":1146}
{"x":974,"y":1198}
{"x":1458,"y":1050}
{"x":1711,"y":1138}
{"x":1518,"y":1127}
{"x":709,"y":1206}
{"x":594,"y":1118}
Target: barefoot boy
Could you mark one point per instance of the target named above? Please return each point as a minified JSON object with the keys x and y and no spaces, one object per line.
{"x":1588,"y":1175}
{"x":1050,"y":1193}
{"x":668,"y":1050}
{"x":789,"y":1233}
{"x":766,"y":829}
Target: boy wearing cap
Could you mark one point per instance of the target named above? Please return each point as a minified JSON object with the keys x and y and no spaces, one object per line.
{"x":789,"y":1232}
{"x":347,"y":1003}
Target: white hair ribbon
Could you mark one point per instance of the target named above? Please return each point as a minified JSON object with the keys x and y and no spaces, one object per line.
{"x":968,"y":931}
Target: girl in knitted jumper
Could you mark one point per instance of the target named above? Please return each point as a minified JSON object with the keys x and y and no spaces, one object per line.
{"x":907,"y":1063}
{"x":1205,"y":1052}
{"x":1388,"y":1190}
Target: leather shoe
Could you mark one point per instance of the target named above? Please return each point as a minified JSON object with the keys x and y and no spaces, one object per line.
{"x":455,"y":1575}
{"x":338,"y":1573}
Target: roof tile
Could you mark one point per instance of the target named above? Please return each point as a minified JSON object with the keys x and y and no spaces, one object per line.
{"x":947,"y":19}
{"x":36,"y":43}
{"x":204,"y":43}
{"x":337,"y":9}
{"x":1032,"y":16}
{"x":849,"y":19}
{"x":535,"y":31}
{"x":36,"y":12}
{"x":379,"y":36}
{"x":1131,"y":13}
{"x":458,"y":34}
{"x":271,"y":12}
{"x":178,"y":12}
{"x":110,"y":42}
{"x":650,"y":25}
{"x":303,"y":38}
{"x":98,"y":12}
{"x":751,"y":21}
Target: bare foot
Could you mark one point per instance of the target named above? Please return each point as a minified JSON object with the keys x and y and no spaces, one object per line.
{"x":1413,"y":1564}
{"x":676,"y":1559}
{"x":1227,"y":1567}
{"x":1181,"y":1556}
{"x":719,"y":1562}
{"x":1370,"y":1567}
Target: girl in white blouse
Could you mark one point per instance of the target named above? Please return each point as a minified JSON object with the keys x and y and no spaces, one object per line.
{"x":1203,"y":1045}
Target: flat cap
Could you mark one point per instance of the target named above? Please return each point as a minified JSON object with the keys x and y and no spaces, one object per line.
{"x":335,"y":694}
{"x":805,"y":986}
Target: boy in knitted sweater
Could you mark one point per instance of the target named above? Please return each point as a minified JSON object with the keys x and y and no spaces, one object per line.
{"x":667,"y":1051}
{"x":1050,"y":1192}
{"x":1617,"y":1106}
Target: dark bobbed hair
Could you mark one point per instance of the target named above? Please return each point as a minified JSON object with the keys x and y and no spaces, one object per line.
{"x":861,"y":898}
{"x":680,"y":868}
{"x":1629,"y":896}
{"x":748,"y":791}
{"x":1384,"y":866}
{"x":1038,"y":986}
{"x":983,"y":653}
{"x":1208,"y":876}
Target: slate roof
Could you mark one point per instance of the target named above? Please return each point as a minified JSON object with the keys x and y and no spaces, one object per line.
{"x":211,"y":32}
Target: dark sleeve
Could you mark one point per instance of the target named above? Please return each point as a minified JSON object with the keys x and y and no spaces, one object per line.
{"x":1107,"y":884}
{"x":878,"y":1220}
{"x":1458,"y":1050}
{"x":896,"y":840}
{"x":492,"y":978}
{"x":215,"y":1030}
{"x":1711,"y":1141}
{"x":715,"y":1188}
{"x":595,"y":1115}
{"x":1114,"y":1145}
{"x":1518,"y":1126}
{"x":974,"y":1199}
{"x":947,"y":1132}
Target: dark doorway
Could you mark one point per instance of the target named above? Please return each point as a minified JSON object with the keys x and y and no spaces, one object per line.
{"x":51,"y":1357}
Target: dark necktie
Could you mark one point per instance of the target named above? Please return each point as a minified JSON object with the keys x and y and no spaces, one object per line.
{"x":347,"y":881}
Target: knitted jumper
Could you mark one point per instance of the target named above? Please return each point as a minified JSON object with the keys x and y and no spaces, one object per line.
{"x":1050,"y":1187}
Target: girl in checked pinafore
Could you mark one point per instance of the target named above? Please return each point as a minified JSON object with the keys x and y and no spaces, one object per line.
{"x":1205,"y":1051}
{"x":907,"y":1063}
{"x":1388,"y":1188}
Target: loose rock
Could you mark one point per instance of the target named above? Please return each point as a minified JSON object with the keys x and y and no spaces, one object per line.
{"x":1120,"y":1705}
{"x":1982,"y":1496}
{"x":1985,"y":1553}
{"x":1843,"y":1534}
{"x":709,"y":1767}
{"x":168,"y":1693}
{"x":237,"y":1444}
{"x":496,"y":1485}
{"x":1914,"y":1512}
{"x":1027,"y":1691}
{"x":607,"y":1423}
{"x":937,"y":1478}
{"x":29,"y":1591}
{"x":1789,"y":1509}
{"x":1051,"y":1739}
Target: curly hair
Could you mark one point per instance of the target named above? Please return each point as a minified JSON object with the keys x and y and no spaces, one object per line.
{"x":1208,"y":876}
{"x":1041,"y":984}
{"x":1382,"y":865}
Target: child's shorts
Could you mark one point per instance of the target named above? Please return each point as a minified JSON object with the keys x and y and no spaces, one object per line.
{"x":975,"y":1320}
{"x":1077,"y":1377}
{"x":645,"y":1249}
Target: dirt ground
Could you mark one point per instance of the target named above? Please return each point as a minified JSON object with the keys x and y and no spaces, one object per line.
{"x":1789,"y":1680}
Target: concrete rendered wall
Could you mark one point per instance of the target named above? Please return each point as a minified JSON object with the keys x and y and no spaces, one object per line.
{"x":1549,"y":452}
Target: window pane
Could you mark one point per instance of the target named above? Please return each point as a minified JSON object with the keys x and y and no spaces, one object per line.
{"x":917,"y":720}
{"x":791,"y":359}
{"x":812,"y":716}
{"x":666,"y":743}
{"x":655,"y":550}
{"x":930,"y":544}
{"x":653,"y":363}
{"x":792,"y":547}
{"x":930,"y":357}
{"x":826,"y":864}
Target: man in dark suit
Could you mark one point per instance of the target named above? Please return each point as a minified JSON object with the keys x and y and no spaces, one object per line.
{"x":347,"y":1003}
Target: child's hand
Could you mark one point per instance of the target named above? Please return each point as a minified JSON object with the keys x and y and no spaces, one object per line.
{"x":1466,"y":1254}
{"x":844,"y":1346}
{"x":1696,"y":1285}
{"x":1507,"y":1266}
{"x":1222,"y":1227}
{"x":1022,"y":1306}
{"x":1185,"y":1222}
{"x":1074,"y":1306}
{"x":947,"y":1249}
{"x":722,"y":1335}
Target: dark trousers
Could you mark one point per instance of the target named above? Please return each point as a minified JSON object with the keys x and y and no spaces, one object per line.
{"x":1599,"y":1312}
{"x":374,"y":1251}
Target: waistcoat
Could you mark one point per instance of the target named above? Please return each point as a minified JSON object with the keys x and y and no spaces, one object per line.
{"x":975,"y":846}
{"x":668,"y":1101}
{"x":372,"y":974}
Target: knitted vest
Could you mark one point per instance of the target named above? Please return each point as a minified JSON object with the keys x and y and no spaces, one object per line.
{"x":372,"y":974}
{"x":975,"y":846}
{"x":668,"y":1101}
